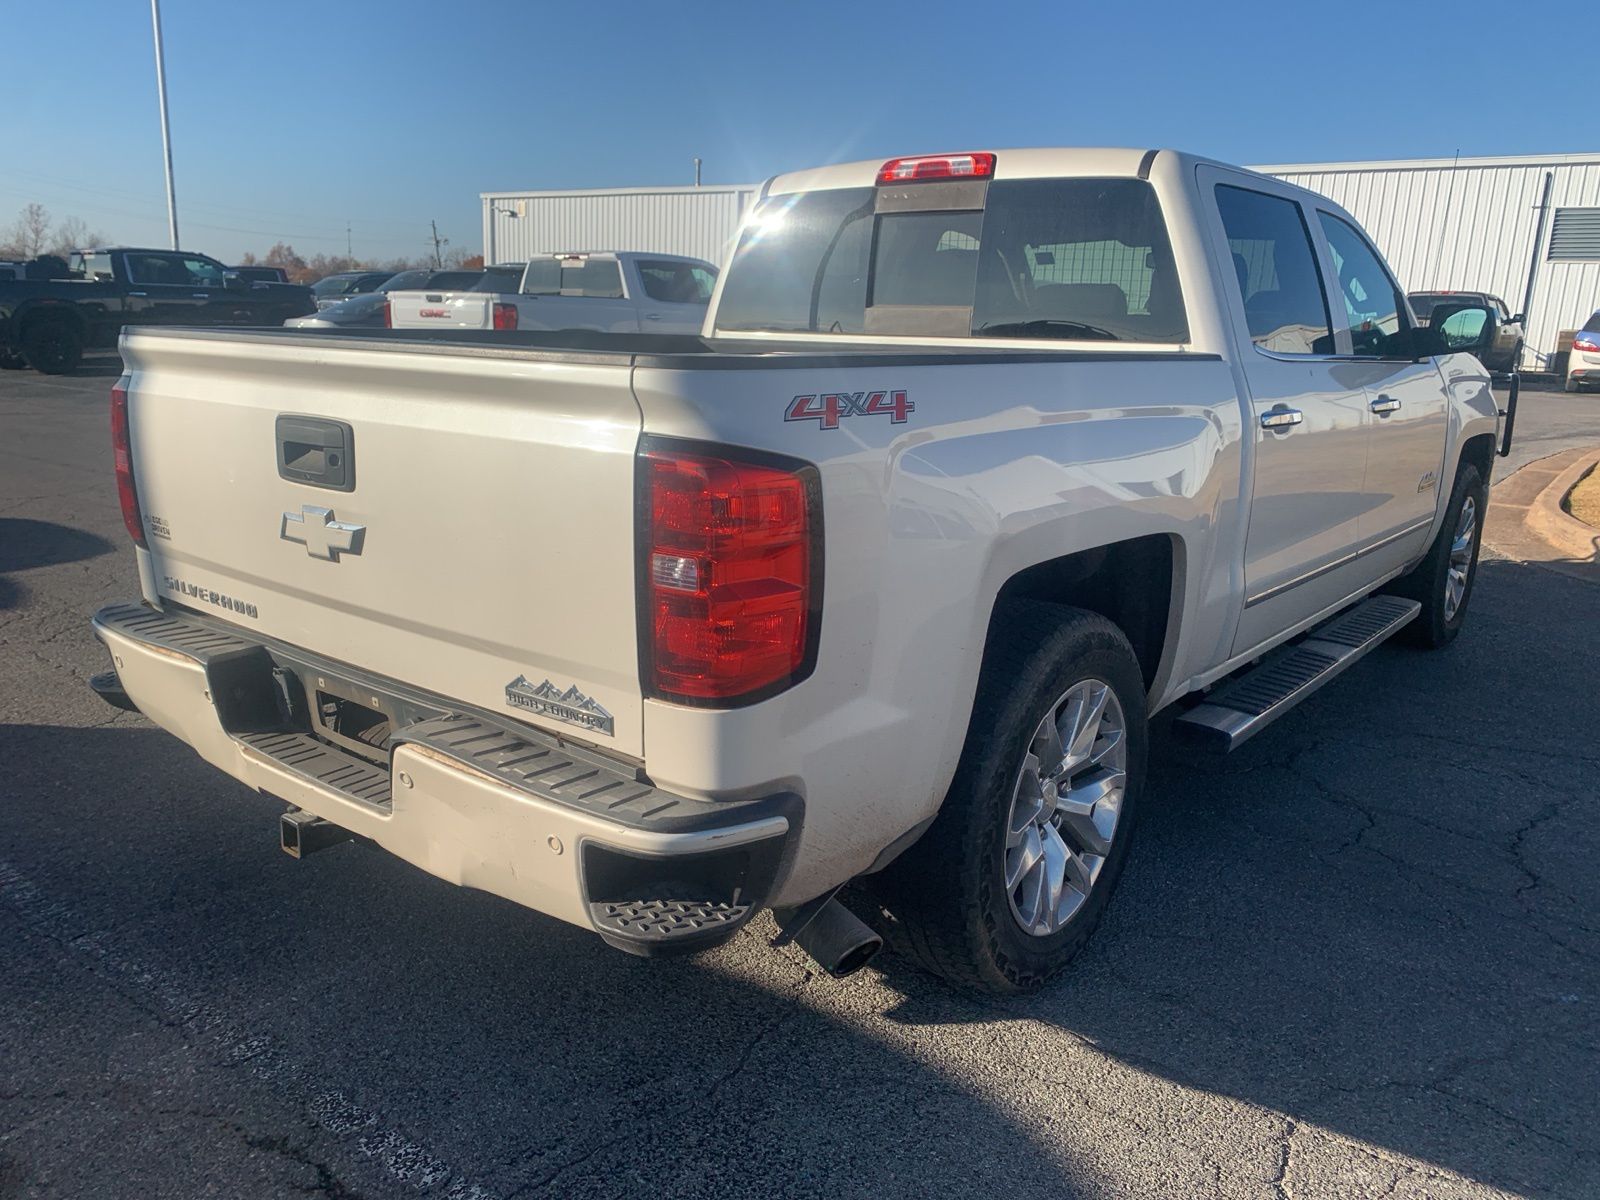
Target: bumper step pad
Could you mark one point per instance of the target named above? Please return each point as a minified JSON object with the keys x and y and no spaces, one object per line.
{"x":526,"y":759}
{"x":663,"y":920}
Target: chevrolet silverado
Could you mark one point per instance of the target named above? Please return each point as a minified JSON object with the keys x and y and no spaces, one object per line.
{"x":981,"y":460}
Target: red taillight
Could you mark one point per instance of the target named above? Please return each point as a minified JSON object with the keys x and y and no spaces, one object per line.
{"x":937,"y":166}
{"x":731,"y":574}
{"x":505,"y":315}
{"x":122,"y":458}
{"x":388,"y":316}
{"x":1589,"y":345}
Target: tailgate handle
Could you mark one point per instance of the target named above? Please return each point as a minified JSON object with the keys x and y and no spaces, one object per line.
{"x":317,"y":452}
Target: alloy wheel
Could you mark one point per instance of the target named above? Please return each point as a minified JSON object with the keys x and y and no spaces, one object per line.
{"x":1460,"y":566}
{"x":1065,"y":807}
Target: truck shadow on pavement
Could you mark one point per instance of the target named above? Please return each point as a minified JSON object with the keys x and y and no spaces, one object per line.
{"x":1373,"y":925}
{"x":26,"y":543}
{"x":1379,"y":919}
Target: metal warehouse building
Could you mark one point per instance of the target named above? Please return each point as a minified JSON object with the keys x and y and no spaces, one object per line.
{"x":697,"y":221}
{"x":1525,"y":228}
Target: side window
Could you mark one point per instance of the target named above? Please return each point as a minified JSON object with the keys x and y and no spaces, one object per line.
{"x":97,"y":267}
{"x":675,"y":282}
{"x":1275,"y":266}
{"x":1372,"y":306}
{"x":156,"y":269}
{"x":202,"y":272}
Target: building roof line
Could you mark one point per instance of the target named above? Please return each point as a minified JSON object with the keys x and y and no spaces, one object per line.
{"x":1430,"y":164}
{"x":688,"y":190}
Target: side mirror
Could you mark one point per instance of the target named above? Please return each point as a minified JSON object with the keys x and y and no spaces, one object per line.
{"x":1464,"y":328}
{"x":1516,"y":319}
{"x":234,"y":282}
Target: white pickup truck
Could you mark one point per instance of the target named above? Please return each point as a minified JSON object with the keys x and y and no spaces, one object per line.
{"x":983,"y":460}
{"x":606,"y":293}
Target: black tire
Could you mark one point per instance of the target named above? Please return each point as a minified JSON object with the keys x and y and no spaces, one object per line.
{"x":945,"y":900}
{"x":1428,"y":582}
{"x":10,"y":361}
{"x":1571,"y":384}
{"x":52,"y":346}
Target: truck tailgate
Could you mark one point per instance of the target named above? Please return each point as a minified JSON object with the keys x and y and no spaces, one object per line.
{"x":441,"y":310}
{"x":489,"y":525}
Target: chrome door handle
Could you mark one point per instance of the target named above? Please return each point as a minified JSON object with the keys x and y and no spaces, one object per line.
{"x":141,"y":295}
{"x":199,"y":295}
{"x":1384,"y":405}
{"x":652,"y":316}
{"x":1281,"y":418}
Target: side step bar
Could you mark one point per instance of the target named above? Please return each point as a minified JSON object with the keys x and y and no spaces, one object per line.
{"x":1241,"y":708}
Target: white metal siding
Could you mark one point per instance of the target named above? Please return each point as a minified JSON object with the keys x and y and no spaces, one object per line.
{"x":1471,"y":227}
{"x":1467,"y":225}
{"x":695,"y":221}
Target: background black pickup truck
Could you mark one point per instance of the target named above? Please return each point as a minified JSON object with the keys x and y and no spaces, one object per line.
{"x":49,"y":323}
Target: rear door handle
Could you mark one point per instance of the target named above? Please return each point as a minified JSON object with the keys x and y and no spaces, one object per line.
{"x":1384,"y":405}
{"x":141,"y":295}
{"x":1281,"y":418}
{"x":199,"y":295}
{"x":652,"y":316}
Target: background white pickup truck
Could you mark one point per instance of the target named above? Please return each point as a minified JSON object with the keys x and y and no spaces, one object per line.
{"x":985,"y":459}
{"x":604,"y":292}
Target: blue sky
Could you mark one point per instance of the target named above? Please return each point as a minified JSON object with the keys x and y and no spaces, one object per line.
{"x":290,"y":118}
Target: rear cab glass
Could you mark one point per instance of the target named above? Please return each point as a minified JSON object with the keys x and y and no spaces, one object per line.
{"x":1062,"y":259}
{"x":596,"y":278}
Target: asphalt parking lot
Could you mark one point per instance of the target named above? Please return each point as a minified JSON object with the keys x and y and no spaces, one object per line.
{"x":1357,"y":958}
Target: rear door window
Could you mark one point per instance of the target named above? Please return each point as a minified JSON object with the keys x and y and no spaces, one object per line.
{"x":1044,"y":258}
{"x":670,"y":282}
{"x":161,"y":270}
{"x":1275,"y":269}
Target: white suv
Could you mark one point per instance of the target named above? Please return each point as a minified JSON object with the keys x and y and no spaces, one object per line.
{"x":1583,"y":364}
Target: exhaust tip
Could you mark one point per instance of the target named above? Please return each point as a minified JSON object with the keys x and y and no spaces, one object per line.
{"x":838,"y":940}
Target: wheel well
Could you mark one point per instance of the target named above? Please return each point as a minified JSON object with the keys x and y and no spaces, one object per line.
{"x":1479,"y":451}
{"x":43,"y":313}
{"x":1129,"y":583}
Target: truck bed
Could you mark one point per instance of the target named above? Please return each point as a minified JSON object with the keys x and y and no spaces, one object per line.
{"x":668,"y":351}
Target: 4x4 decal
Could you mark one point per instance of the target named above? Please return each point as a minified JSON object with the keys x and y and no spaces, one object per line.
{"x":829,"y":408}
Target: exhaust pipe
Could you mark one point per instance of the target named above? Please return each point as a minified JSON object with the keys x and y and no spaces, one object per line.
{"x":838,"y":940}
{"x":300,"y":833}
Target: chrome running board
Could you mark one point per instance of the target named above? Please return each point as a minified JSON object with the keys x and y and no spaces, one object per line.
{"x":1242,"y":707}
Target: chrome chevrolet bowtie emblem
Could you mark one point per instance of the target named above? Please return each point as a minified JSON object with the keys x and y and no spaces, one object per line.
{"x":322,"y":536}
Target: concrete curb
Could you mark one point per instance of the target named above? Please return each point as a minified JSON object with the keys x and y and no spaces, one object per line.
{"x":1554,"y":524}
{"x":1526,"y":521}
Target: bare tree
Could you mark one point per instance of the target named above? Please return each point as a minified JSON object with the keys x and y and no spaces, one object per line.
{"x":74,"y":234}
{"x":31,"y":232}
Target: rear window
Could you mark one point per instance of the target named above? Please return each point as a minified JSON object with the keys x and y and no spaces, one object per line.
{"x":499,"y":279}
{"x":1592,"y":325}
{"x":593,"y":277}
{"x":1045,"y":258}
